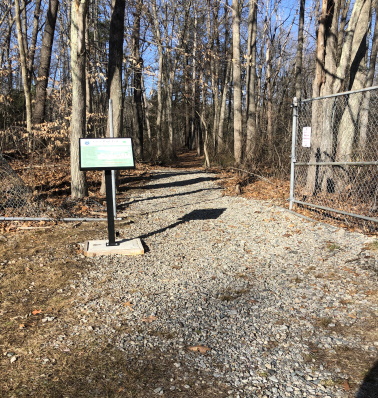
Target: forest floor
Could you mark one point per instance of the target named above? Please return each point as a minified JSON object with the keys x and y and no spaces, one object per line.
{"x":39,"y":264}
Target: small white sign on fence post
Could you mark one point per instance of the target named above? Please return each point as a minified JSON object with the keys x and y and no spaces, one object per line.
{"x":306,"y":137}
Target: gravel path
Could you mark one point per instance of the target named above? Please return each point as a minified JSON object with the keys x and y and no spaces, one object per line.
{"x":238,"y":296}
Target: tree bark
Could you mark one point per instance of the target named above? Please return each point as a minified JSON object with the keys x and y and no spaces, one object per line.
{"x":159,"y":110}
{"x":138,"y":67}
{"x":24,"y":67}
{"x":33,"y":41}
{"x":251,"y":83}
{"x":299,"y":55}
{"x":79,"y":187}
{"x":236,"y":74}
{"x":115,"y":63}
{"x":45,"y":61}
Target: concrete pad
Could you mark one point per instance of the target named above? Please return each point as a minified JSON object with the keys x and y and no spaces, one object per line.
{"x":127,"y":247}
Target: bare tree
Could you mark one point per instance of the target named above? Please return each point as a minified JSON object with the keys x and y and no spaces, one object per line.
{"x":79,"y":9}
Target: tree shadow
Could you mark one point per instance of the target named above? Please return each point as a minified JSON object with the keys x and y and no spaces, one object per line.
{"x":173,"y":184}
{"x":369,"y":386}
{"x":123,"y":205}
{"x":201,"y":214}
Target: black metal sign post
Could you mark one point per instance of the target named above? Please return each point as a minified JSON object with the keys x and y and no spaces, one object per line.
{"x":110,"y":209}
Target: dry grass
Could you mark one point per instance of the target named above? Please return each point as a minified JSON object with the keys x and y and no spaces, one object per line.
{"x":40,"y":356}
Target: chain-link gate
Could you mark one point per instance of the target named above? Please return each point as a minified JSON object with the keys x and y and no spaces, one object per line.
{"x":335,"y":155}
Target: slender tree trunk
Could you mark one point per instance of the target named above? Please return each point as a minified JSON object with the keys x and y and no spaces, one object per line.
{"x":24,"y":67}
{"x":269,"y":97}
{"x":299,"y":56}
{"x":138,"y":67}
{"x":187,"y":97}
{"x":169,"y":110}
{"x":33,"y":41}
{"x":9,"y":58}
{"x":115,"y":63}
{"x":236,"y":73}
{"x":79,"y":187}
{"x":251,"y":83}
{"x":45,"y":60}
{"x":223,"y":107}
{"x":194,"y":130}
{"x":159,"y":109}
{"x":363,"y":132}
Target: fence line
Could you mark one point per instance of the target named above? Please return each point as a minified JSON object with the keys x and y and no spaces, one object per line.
{"x":335,"y":154}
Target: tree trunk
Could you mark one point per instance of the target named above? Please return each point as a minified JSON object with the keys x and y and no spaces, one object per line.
{"x":115,"y":63}
{"x":363,"y":132}
{"x":223,"y":108}
{"x":159,"y":109}
{"x":299,"y":56}
{"x":236,"y":74}
{"x":45,"y":60}
{"x":78,"y":118}
{"x":138,"y":67}
{"x":251,"y":83}
{"x":33,"y":41}
{"x":24,"y":67}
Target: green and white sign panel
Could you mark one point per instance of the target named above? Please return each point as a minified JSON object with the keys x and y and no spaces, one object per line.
{"x":106,"y":154}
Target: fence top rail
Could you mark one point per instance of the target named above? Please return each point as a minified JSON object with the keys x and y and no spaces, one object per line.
{"x":341,"y":94}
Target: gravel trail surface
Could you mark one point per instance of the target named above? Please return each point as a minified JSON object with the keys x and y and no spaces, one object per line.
{"x":236,"y":297}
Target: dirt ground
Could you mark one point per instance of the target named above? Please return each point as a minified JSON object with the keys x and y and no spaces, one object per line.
{"x":39,"y":266}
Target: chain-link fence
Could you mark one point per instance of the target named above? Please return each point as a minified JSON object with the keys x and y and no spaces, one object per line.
{"x":18,"y":201}
{"x":335,"y":156}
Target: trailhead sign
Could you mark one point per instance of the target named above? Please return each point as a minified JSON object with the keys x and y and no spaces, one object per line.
{"x":108,"y":154}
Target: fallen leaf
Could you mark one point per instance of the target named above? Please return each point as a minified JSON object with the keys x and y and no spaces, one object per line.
{"x":346,"y":385}
{"x":199,"y":348}
{"x":149,"y":319}
{"x":36,"y":312}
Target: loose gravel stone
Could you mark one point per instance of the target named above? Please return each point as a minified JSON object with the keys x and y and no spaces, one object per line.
{"x":257,"y":286}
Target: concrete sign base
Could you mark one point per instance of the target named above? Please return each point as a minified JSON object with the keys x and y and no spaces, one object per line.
{"x":125,"y":247}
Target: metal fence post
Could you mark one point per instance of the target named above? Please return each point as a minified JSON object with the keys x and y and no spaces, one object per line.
{"x":293,"y":155}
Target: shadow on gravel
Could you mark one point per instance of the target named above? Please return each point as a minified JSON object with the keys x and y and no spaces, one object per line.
{"x":159,"y":176}
{"x":369,"y":387}
{"x":202,"y":214}
{"x":122,"y":206}
{"x":182,"y":183}
{"x":127,"y":179}
{"x":109,"y":372}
